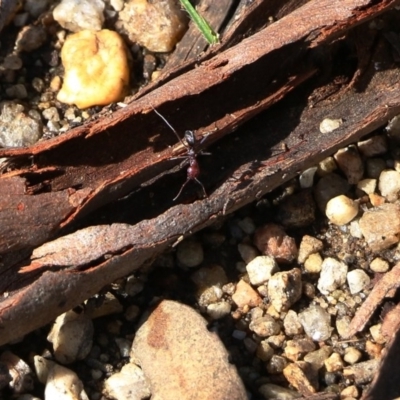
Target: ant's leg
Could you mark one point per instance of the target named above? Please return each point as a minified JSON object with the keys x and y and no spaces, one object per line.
{"x":202,"y":186}
{"x":182,"y":187}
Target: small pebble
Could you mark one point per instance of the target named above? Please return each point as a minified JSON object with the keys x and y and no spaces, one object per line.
{"x":317,"y":358}
{"x":296,"y":349}
{"x":374,"y":146}
{"x":272,"y":391}
{"x":349,"y":392}
{"x":334,"y":363}
{"x":17,"y":91}
{"x":190,"y":253}
{"x":18,"y":374}
{"x":374,"y":167}
{"x":218,"y":310}
{"x":276,"y":364}
{"x":272,"y":240}
{"x":349,"y":161}
{"x":374,"y":350}
{"x":260,"y":269}
{"x":158,"y":26}
{"x":247,"y":252}
{"x":245,"y":295}
{"x":79,"y":15}
{"x":333,"y":275}
{"x":316,"y":323}
{"x":60,"y":382}
{"x":308,"y":246}
{"x":352,"y":355}
{"x":284,"y":289}
{"x":341,"y":210}
{"x":329,"y":125}
{"x":247,"y":225}
{"x":306,"y":178}
{"x":129,"y":383}
{"x":376,"y":333}
{"x":379,"y":265}
{"x":292,"y":324}
{"x":343,"y":326}
{"x":326,"y":166}
{"x":265,"y":326}
{"x":357,"y":280}
{"x":36,"y":7}
{"x":362,"y":372}
{"x":380,"y":226}
{"x":30,"y":38}
{"x":17,"y":129}
{"x":389,"y":184}
{"x":13,"y":61}
{"x":210,"y":295}
{"x":298,"y":379}
{"x":297,"y":210}
{"x":264,"y":351}
{"x":71,"y":336}
{"x":313,"y":264}
{"x":368,"y":185}
{"x":206,"y":277}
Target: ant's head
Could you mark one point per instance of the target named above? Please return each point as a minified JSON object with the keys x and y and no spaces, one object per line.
{"x":190,"y":138}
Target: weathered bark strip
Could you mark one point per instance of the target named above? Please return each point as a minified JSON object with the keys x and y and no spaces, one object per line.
{"x":107,"y":158}
{"x":74,"y":273}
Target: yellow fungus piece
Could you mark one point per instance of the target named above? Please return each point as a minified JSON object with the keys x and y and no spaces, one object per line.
{"x":96,"y":69}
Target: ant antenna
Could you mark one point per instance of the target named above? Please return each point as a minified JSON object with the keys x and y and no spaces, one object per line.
{"x":170,"y":126}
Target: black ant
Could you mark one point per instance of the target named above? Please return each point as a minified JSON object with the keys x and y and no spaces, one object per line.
{"x":192,"y":152}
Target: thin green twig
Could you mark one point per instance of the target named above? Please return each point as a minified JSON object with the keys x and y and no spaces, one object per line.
{"x":209,"y":34}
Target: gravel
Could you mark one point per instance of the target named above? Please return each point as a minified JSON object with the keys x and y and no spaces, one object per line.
{"x":279,"y":281}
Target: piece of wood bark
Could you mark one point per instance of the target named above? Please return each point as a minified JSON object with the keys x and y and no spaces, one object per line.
{"x":107,"y":158}
{"x":389,"y":281}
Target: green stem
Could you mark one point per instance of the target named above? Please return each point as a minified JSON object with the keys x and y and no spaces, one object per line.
{"x":209,"y":34}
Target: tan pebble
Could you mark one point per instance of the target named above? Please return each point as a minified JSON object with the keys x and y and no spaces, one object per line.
{"x":245,"y":295}
{"x":350,"y":163}
{"x":376,"y":333}
{"x":313,"y":264}
{"x":96,"y":69}
{"x":329,"y":125}
{"x":352,"y":355}
{"x":343,"y":326}
{"x":284,"y":289}
{"x":389,"y":184}
{"x":297,"y":378}
{"x":379,"y":265}
{"x":381,"y":226}
{"x":334,"y":363}
{"x":317,"y":358}
{"x":326,"y":166}
{"x":376,"y":200}
{"x":373,"y":349}
{"x":309,"y":245}
{"x":155,"y":25}
{"x":350,"y":391}
{"x":55,"y":84}
{"x":368,"y":186}
{"x":341,"y":210}
{"x":295,"y":349}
